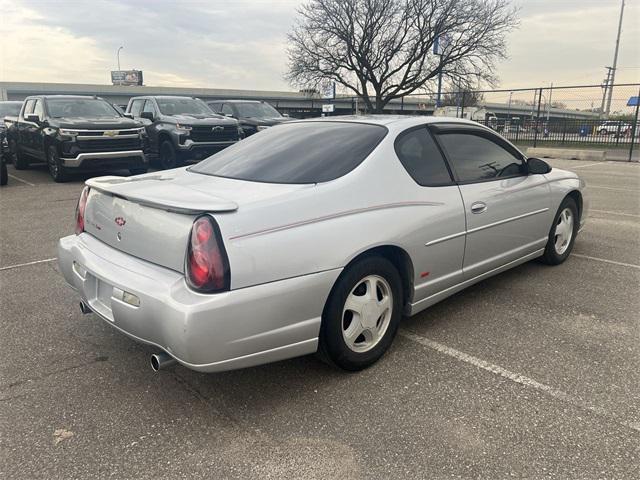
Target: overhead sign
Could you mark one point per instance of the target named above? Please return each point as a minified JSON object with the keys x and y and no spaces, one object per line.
{"x":329,"y":90}
{"x":126,"y":77}
{"x":328,"y":108}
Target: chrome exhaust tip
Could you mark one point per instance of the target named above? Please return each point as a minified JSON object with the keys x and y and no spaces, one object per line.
{"x":84,"y":308}
{"x":161,"y":360}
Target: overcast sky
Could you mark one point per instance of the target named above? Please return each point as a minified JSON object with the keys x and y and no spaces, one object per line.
{"x":241,"y":43}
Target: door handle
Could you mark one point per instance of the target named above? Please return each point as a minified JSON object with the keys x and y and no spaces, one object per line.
{"x":479,"y":207}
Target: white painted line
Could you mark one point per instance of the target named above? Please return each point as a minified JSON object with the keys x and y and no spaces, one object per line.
{"x":604,"y":260}
{"x":612,"y":188}
{"x":614,"y":213}
{"x":589,"y":165}
{"x":21,"y":180}
{"x":514,"y":377}
{"x":46,"y":260}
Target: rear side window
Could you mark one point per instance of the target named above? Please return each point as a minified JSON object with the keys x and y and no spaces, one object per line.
{"x":305,"y":152}
{"x":28,"y":108}
{"x":476,"y":158}
{"x":422,"y":159}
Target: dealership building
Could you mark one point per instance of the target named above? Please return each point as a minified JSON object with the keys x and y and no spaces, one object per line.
{"x":296,"y":104}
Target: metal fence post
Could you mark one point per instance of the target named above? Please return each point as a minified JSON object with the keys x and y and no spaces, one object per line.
{"x":402,"y":104}
{"x":464,"y":94}
{"x":535,"y":138}
{"x":634,"y":127}
{"x":564,"y":130}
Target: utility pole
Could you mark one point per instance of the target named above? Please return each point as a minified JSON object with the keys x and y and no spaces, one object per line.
{"x":615,"y":60}
{"x":118,"y":55}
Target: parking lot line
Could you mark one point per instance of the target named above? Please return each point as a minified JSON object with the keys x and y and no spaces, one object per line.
{"x":615,"y":213}
{"x":613,"y":188}
{"x":514,"y":377}
{"x":18,"y":265}
{"x":604,"y":260}
{"x":21,"y":180}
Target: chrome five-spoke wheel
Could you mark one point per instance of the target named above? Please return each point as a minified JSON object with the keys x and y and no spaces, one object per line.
{"x":367,"y":313}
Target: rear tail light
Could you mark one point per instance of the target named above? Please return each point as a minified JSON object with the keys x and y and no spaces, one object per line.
{"x":207,"y":266}
{"x":82,"y":203}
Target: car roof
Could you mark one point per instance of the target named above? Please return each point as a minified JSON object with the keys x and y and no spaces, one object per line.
{"x":70,"y":97}
{"x":395,"y":120}
{"x":234,"y":101}
{"x":164,"y":96}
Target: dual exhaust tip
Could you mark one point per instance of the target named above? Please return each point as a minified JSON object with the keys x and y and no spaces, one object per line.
{"x":159,"y":361}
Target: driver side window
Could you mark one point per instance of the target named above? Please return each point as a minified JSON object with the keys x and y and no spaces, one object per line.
{"x":226,"y":109}
{"x":476,"y":158}
{"x":149,"y":107}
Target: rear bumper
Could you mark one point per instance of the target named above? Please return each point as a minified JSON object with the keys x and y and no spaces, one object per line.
{"x":225,"y":331}
{"x":98,"y":159}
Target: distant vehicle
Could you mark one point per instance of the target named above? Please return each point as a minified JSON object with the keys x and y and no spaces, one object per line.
{"x":477,"y":114}
{"x":313,"y":236}
{"x":253,"y":115}
{"x":11,"y":109}
{"x":615,"y":127}
{"x":182,"y":128}
{"x":73,"y":132}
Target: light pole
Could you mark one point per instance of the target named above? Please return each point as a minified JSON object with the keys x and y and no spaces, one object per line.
{"x":615,"y":60}
{"x":118,"y":55}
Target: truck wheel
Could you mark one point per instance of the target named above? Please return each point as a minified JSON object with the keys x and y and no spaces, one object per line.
{"x":20,"y":162}
{"x":4,"y":176}
{"x":56,"y":169}
{"x":168,"y":156}
{"x":603,"y":132}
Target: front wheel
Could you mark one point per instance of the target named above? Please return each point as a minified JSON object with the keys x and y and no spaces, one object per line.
{"x":362,"y":315}
{"x":56,"y":169}
{"x":563,"y":233}
{"x":20,"y":162}
{"x":4,"y":175}
{"x":168,"y":155}
{"x":603,"y":132}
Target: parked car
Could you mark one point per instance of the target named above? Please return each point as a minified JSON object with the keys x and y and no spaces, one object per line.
{"x":253,"y":115}
{"x":8,"y":108}
{"x":317,"y":235}
{"x":183,"y":128}
{"x":614,"y":127}
{"x":73,"y":132}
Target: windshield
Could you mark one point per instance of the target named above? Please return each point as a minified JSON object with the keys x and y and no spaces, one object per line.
{"x":257,"y":110}
{"x":305,"y":152}
{"x":80,"y":107}
{"x":183,"y":106}
{"x":9,"y":108}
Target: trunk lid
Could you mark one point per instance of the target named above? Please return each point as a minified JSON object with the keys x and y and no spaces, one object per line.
{"x":150,"y":216}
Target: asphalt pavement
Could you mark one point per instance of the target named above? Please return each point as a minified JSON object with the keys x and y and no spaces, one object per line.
{"x":534,"y":373}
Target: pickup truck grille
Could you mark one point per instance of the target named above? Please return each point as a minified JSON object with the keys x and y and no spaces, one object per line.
{"x":112,"y":145}
{"x":99,"y":133}
{"x":207,"y":134}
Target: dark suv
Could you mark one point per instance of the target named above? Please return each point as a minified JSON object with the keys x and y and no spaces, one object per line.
{"x":182,"y":128}
{"x":253,"y":115}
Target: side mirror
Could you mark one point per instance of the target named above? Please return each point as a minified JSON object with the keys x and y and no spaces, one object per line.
{"x":33,"y":118}
{"x":228,"y":115}
{"x":128,"y":115}
{"x":537,"y":166}
{"x":286,"y":115}
{"x":147,"y":115}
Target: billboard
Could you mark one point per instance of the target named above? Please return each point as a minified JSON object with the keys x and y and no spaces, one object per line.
{"x":126,"y":77}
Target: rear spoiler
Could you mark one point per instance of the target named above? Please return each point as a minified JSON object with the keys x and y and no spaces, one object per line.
{"x":154,"y":191}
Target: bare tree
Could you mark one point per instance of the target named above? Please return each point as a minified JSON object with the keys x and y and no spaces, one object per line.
{"x":385,"y":48}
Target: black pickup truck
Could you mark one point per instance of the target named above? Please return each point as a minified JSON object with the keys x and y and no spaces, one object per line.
{"x":253,"y":115}
{"x":71,"y":132}
{"x":182,"y":128}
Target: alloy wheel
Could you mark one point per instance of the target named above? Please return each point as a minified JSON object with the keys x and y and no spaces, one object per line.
{"x":367,"y":313}
{"x":564,"y":231}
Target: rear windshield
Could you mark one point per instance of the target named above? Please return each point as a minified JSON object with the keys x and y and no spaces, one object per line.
{"x":257,"y":110}
{"x":9,"y":108}
{"x":80,"y":107}
{"x":305,"y":152}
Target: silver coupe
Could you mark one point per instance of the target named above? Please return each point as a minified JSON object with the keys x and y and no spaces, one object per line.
{"x":313,"y":236}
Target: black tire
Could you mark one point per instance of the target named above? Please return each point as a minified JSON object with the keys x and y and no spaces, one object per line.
{"x":138,"y":170}
{"x":167,"y":156}
{"x":4,"y":175}
{"x":333,"y":348}
{"x":604,"y":132}
{"x":552,"y":256}
{"x":20,"y":161}
{"x":56,"y":169}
